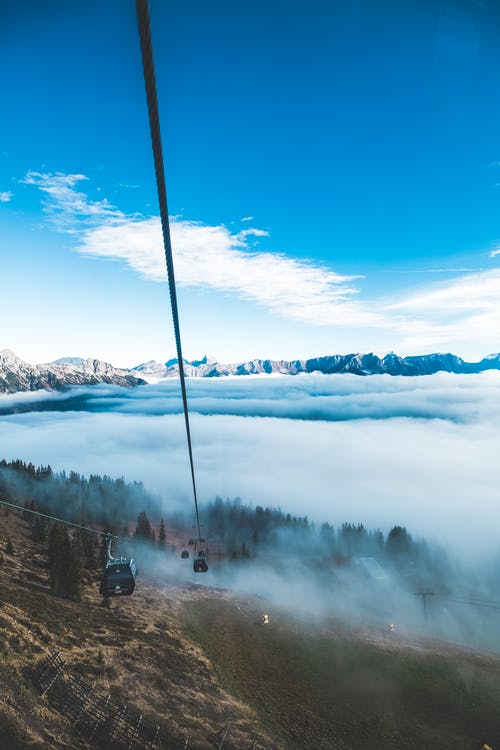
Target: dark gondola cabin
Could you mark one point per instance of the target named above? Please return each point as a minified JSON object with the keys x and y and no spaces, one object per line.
{"x":119,"y":577}
{"x":200,"y":564}
{"x":184,"y":554}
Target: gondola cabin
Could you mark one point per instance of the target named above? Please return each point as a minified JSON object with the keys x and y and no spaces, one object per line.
{"x":119,"y":577}
{"x":200,"y":564}
{"x":184,"y":554}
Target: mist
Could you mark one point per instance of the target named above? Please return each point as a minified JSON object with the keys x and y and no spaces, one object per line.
{"x":381,"y":450}
{"x":303,"y":580}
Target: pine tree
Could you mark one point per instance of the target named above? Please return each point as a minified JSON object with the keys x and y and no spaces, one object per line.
{"x":65,"y":563}
{"x":143,"y":529}
{"x":103,"y":552}
{"x":39,"y":529}
{"x":162,"y":536}
{"x":88,"y":549}
{"x":73,"y":571}
{"x":58,"y":553}
{"x":399,"y":543}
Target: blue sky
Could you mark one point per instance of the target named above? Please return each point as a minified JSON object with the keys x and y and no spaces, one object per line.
{"x":333,"y":170}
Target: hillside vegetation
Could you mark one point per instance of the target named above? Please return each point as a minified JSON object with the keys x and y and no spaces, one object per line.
{"x":194,"y":659}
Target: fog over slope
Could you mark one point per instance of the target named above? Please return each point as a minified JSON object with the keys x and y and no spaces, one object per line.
{"x":381,"y":450}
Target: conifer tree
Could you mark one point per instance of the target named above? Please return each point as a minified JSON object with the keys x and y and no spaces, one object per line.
{"x":39,"y":529}
{"x":399,"y":542}
{"x":162,"y":536}
{"x":58,"y":553}
{"x":143,"y":529}
{"x":88,"y":549}
{"x":73,"y":571}
{"x":65,"y":563}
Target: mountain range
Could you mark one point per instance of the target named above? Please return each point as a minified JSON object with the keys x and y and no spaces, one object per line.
{"x":17,"y":375}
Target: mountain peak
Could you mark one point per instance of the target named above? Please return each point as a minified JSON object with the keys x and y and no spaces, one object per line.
{"x":69,"y":361}
{"x":8,"y":356}
{"x":17,"y":375}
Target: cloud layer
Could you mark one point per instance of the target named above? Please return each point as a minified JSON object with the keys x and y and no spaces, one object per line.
{"x":420,"y":452}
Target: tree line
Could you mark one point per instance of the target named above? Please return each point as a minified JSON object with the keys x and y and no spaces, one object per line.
{"x":240,"y":532}
{"x":247,"y":532}
{"x":99,"y":501}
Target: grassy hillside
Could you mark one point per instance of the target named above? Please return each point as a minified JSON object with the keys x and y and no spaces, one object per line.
{"x":328,"y":687}
{"x":194,"y":659}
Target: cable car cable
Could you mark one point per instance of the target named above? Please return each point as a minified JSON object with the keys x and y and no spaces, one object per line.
{"x":154,"y":124}
{"x":120,"y":573}
{"x":59,"y":520}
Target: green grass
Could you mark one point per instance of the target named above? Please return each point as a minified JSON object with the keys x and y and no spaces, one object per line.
{"x":319,"y":689}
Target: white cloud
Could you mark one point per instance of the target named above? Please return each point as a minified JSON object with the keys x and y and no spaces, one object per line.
{"x":251,"y":231}
{"x":205,"y":256}
{"x":69,"y":208}
{"x":462,"y":310}
{"x":494,"y":252}
{"x":5,"y":196}
{"x":378,"y":450}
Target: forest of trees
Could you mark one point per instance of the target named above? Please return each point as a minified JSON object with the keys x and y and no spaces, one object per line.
{"x":245,"y":530}
{"x":237,"y":532}
{"x":97,"y":501}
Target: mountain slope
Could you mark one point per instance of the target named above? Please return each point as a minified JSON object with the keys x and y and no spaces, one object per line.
{"x":17,"y":375}
{"x":194,"y":659}
{"x":136,"y":650}
{"x":356,"y":364}
{"x":328,"y":686}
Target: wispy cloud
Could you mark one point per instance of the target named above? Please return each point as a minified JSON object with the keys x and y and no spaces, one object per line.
{"x":462,"y":309}
{"x":6,"y":196}
{"x":205,"y":256}
{"x":494,"y":252}
{"x":70,"y":209}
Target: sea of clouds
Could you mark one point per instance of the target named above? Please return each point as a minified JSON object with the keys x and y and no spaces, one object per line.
{"x":421,"y":452}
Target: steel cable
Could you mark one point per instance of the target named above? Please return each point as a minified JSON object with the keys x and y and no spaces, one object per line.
{"x":154,"y":124}
{"x":58,"y":520}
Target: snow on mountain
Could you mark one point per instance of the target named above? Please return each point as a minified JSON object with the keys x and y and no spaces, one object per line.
{"x":357,"y":364}
{"x":17,"y":375}
{"x":69,"y":361}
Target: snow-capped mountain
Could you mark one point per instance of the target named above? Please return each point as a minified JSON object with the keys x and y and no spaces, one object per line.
{"x":356,"y":364}
{"x":17,"y":375}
